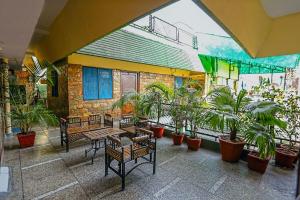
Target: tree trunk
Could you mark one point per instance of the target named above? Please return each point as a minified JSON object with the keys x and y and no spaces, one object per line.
{"x":233,"y":135}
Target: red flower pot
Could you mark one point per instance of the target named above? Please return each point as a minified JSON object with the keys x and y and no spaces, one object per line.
{"x":257,"y":164}
{"x":193,"y":143}
{"x":177,"y":139}
{"x":26,"y":140}
{"x":231,"y":150}
{"x":158,"y":131}
{"x":285,"y":158}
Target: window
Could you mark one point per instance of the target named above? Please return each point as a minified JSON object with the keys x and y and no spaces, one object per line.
{"x":54,"y":88}
{"x":178,"y":82}
{"x":97,"y":83}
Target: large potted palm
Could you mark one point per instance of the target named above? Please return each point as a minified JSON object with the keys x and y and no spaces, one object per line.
{"x":195,"y":113}
{"x":27,"y":115}
{"x":157,"y":94}
{"x":177,"y":112}
{"x":261,"y":119}
{"x":225,"y":114}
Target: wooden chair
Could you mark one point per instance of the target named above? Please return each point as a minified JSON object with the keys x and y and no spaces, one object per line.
{"x":108,"y":120}
{"x":140,"y":148}
{"x":126,"y":121}
{"x":95,"y":122}
{"x":71,"y":130}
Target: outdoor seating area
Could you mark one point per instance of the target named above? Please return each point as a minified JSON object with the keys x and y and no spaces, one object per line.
{"x":46,"y":171}
{"x":150,"y":100}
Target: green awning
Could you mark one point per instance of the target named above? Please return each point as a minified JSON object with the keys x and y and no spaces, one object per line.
{"x":227,"y":50}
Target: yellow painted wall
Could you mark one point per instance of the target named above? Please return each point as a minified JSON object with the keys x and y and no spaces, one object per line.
{"x":94,"y":61}
{"x":84,"y":21}
{"x":284,"y":37}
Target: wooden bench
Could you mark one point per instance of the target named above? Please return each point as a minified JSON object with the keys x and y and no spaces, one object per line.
{"x":72,"y":128}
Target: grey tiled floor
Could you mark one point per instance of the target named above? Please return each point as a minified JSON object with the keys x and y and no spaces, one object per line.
{"x":47,"y":172}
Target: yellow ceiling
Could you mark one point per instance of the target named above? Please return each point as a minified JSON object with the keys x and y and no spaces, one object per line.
{"x":82,"y":22}
{"x":260,"y":34}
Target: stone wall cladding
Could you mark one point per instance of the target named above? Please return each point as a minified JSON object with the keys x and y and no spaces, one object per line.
{"x":148,"y":78}
{"x":80,"y":107}
{"x":59,"y":105}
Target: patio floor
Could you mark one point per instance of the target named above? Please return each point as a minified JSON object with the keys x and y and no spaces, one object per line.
{"x":47,"y":172}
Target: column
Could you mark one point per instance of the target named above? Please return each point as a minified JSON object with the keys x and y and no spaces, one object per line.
{"x":4,"y":66}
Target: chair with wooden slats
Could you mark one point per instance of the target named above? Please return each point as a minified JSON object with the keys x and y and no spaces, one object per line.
{"x":141,"y":147}
{"x":126,"y":121}
{"x":72,"y":128}
{"x":108,"y":120}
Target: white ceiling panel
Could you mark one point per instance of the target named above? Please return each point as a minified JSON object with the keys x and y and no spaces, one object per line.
{"x":278,"y":8}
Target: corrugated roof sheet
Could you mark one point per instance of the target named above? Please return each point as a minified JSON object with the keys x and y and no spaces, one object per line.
{"x":127,"y":46}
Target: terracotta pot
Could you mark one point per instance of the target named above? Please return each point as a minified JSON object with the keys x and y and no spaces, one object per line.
{"x":158,"y":131}
{"x":22,"y":74}
{"x":257,"y":164}
{"x":231,"y":150}
{"x":26,"y":140}
{"x":285,"y":158}
{"x":193,"y":143}
{"x":294,"y":149}
{"x":177,"y":139}
{"x":43,"y":81}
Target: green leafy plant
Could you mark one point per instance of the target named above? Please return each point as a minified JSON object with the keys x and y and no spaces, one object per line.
{"x":177,"y":110}
{"x":226,"y":110}
{"x":261,"y":118}
{"x":136,"y":100}
{"x":193,"y":106}
{"x":289,"y":101}
{"x":29,"y":114}
{"x":156,"y":95}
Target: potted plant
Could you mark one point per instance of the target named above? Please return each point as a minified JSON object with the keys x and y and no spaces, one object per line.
{"x":225,"y":114}
{"x":261,"y":118}
{"x":287,"y":154}
{"x":135,"y":100}
{"x":177,"y":114}
{"x":195,"y":113}
{"x":27,"y":115}
{"x":157,"y":94}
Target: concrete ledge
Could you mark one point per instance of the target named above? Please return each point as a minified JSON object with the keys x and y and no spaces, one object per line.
{"x":208,"y":144}
{"x":4,"y":181}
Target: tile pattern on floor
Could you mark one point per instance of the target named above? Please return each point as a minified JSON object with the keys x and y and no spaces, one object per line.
{"x":46,"y":171}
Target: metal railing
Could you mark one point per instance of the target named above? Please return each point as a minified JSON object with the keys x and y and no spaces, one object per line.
{"x":168,"y":31}
{"x":166,"y":120}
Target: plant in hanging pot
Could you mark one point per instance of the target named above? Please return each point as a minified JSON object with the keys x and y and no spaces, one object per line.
{"x":29,"y":114}
{"x":157,"y":94}
{"x":259,"y":131}
{"x":286,"y":154}
{"x":195,"y":112}
{"x":225,"y":114}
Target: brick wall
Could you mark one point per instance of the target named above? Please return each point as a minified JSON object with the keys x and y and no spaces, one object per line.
{"x":80,"y":107}
{"x":59,"y":105}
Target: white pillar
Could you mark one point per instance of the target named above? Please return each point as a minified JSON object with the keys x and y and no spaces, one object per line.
{"x":4,"y":65}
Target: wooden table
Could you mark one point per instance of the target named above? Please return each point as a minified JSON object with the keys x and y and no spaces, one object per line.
{"x":98,"y":136}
